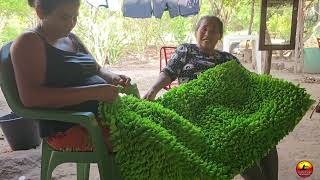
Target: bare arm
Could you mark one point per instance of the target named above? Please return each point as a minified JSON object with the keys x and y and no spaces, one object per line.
{"x":115,"y":79}
{"x":170,"y":72}
{"x":29,"y":63}
{"x":103,"y":72}
{"x":106,"y":74}
{"x":109,"y":76}
{"x":162,"y":81}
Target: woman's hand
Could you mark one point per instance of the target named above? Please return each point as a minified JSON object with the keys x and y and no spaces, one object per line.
{"x":108,"y":93}
{"x":121,"y":80}
{"x":113,"y":78}
{"x":162,"y":81}
{"x":151,"y":95}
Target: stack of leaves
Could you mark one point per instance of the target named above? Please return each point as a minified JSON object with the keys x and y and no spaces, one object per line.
{"x":213,"y":127}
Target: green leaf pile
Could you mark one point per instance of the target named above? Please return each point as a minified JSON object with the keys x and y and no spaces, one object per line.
{"x":213,"y":127}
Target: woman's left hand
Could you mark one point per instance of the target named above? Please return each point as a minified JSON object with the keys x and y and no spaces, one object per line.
{"x":121,"y":80}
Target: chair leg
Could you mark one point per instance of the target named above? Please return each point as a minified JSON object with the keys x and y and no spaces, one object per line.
{"x":45,"y":158}
{"x":111,"y":173}
{"x":52,"y":166}
{"x":104,"y":171}
{"x":53,"y":163}
{"x":115,"y":170}
{"x":108,"y":169}
{"x":83,"y":171}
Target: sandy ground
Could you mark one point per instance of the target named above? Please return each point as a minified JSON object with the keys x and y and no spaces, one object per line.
{"x":301,"y":144}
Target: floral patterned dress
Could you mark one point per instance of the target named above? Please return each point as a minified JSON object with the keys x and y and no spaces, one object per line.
{"x":189,"y":61}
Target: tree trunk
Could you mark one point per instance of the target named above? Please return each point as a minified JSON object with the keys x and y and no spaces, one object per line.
{"x":251,"y":22}
{"x":211,"y":6}
{"x":251,"y":17}
{"x":317,"y":8}
{"x":299,"y":39}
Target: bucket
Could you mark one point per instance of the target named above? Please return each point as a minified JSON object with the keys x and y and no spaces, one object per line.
{"x":21,"y":133}
{"x":311,"y":62}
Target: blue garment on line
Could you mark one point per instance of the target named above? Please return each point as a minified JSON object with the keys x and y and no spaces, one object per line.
{"x":159,"y":6}
{"x":137,"y":8}
{"x":175,"y":7}
{"x":188,"y":7}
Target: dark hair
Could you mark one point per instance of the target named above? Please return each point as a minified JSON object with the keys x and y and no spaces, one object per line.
{"x":217,"y":21}
{"x":49,"y":5}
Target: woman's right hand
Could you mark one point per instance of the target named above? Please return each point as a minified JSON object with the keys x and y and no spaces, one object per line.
{"x":151,"y":95}
{"x":108,"y":93}
{"x":162,"y":81}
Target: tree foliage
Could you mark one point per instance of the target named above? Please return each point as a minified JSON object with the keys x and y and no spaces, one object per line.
{"x":15,"y":16}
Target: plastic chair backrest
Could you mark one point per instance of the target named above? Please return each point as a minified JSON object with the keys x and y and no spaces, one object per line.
{"x":166,"y":53}
{"x":51,"y":158}
{"x":8,"y":82}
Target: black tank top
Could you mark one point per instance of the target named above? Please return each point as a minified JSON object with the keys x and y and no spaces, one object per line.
{"x":69,"y":69}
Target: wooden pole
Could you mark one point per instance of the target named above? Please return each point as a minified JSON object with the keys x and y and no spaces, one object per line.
{"x":267,"y":56}
{"x":266,"y":61}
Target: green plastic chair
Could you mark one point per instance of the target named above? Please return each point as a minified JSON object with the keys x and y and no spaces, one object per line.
{"x":52,"y":158}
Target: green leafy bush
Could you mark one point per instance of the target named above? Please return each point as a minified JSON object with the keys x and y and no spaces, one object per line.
{"x":210,"y":128}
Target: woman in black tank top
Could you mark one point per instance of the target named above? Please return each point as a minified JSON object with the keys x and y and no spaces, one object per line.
{"x":53,"y":69}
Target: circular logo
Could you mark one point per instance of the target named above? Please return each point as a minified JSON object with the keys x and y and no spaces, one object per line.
{"x":304,"y":169}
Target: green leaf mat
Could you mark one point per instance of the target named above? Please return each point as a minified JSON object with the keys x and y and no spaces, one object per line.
{"x":213,"y":127}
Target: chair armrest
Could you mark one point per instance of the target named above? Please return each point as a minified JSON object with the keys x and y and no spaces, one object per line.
{"x":85,"y":119}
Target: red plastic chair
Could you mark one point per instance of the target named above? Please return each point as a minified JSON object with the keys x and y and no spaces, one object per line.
{"x":318,"y":39}
{"x":165,"y":55}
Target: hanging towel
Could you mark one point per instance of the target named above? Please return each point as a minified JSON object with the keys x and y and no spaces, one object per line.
{"x":159,"y":6}
{"x":188,"y":7}
{"x":137,"y":8}
{"x":98,"y":3}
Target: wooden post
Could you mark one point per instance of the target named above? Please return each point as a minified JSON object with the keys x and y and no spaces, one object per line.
{"x":299,"y":39}
{"x":254,"y":55}
{"x":267,"y":56}
{"x":266,"y":59}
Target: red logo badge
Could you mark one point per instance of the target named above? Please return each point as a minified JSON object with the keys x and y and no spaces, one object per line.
{"x":304,"y":169}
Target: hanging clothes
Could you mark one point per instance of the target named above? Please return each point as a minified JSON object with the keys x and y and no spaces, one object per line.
{"x":137,"y":8}
{"x":176,"y":7}
{"x":188,"y":7}
{"x":98,"y":3}
{"x":159,"y":6}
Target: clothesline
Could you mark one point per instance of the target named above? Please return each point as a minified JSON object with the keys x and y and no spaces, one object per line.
{"x":147,"y":8}
{"x":113,"y":5}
